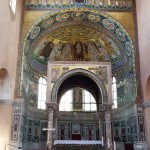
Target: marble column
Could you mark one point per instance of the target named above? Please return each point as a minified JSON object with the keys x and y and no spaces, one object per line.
{"x":100,"y":121}
{"x":50,"y":126}
{"x":108,"y":130}
{"x":51,"y":107}
{"x":106,"y":108}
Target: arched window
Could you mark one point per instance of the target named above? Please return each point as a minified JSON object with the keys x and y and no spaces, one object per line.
{"x":114,"y":93}
{"x":42,"y":93}
{"x":12,"y":4}
{"x":89,"y":103}
{"x":4,"y":84}
{"x":69,"y":101}
{"x":66,"y":101}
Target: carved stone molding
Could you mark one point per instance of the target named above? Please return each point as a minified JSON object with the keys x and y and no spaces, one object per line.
{"x":106,"y":107}
{"x":123,"y":5}
{"x":80,"y":71}
{"x":51,"y":106}
{"x":146,"y":104}
{"x":7,"y":102}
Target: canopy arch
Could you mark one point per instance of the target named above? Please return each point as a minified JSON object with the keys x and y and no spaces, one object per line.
{"x":69,"y":80}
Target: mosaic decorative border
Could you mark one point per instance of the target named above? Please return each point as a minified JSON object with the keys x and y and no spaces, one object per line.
{"x":96,"y":4}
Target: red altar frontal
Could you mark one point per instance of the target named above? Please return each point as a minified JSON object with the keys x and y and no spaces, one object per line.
{"x":76,"y":136}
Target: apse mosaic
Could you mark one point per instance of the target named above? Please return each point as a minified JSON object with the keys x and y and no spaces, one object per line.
{"x":82,"y":35}
{"x":58,"y":48}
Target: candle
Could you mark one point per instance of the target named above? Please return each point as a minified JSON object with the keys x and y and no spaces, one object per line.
{"x":108,"y":143}
{"x":102,"y":141}
{"x":114,"y":145}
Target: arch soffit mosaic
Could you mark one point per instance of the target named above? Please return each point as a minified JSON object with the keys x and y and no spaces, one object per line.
{"x":52,"y":22}
{"x":83,"y":72}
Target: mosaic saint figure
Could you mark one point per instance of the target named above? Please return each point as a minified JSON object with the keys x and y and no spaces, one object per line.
{"x":77,"y":99}
{"x":102,"y":50}
{"x":96,"y":3}
{"x":67,"y":52}
{"x":36,"y":2}
{"x":52,"y":2}
{"x":116,"y":51}
{"x":110,"y":50}
{"x":44,"y":2}
{"x":68,"y":2}
{"x":56,"y":51}
{"x":129,"y":3}
{"x":39,"y":48}
{"x":60,"y":2}
{"x":88,"y":2}
{"x":55,"y":74}
{"x":105,"y":2}
{"x":27,"y":2}
{"x":121,"y":3}
{"x":47,"y":49}
{"x":92,"y":47}
{"x":78,"y":49}
{"x":112,"y":3}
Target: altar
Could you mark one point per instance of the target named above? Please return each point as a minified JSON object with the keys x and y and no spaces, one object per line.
{"x":77,"y":145}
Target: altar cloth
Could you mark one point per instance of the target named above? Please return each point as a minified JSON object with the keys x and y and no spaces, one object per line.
{"x":77,"y":142}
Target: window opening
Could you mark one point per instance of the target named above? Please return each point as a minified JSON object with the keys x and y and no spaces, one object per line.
{"x":114,"y":93}
{"x":12,"y":4}
{"x":88,"y":102}
{"x":42,"y":93}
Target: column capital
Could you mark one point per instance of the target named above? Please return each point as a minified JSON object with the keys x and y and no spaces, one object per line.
{"x":106,"y":107}
{"x":52,"y":106}
{"x":146,"y":104}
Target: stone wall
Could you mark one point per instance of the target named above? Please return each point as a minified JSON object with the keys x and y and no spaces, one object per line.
{"x":9,"y":39}
{"x":144,"y":36}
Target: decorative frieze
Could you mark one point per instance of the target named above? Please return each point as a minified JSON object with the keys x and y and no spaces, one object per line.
{"x":141,"y":128}
{"x":97,"y":4}
{"x":7,"y":101}
{"x":146,"y":104}
{"x":16,"y":121}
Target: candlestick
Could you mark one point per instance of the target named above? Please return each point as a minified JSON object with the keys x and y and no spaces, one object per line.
{"x":102,"y":141}
{"x":108,"y":143}
{"x":114,"y":145}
